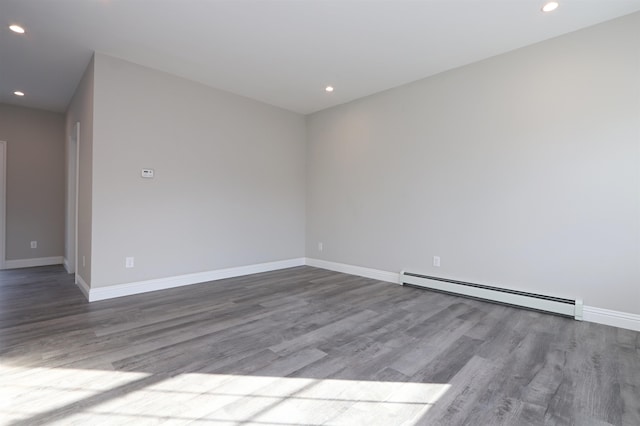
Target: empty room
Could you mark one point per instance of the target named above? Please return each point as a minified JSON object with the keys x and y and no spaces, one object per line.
{"x":320,"y":212}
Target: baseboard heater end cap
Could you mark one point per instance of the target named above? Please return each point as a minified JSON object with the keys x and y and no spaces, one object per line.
{"x":400,"y":277}
{"x":578,"y":310}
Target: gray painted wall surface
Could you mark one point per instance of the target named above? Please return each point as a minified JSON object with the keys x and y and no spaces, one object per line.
{"x":35,"y":181}
{"x":229,"y":186}
{"x":522,"y":171}
{"x":81,"y":109}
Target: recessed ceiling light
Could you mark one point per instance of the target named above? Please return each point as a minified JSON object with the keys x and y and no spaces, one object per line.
{"x":550,"y":6}
{"x":329,"y":88}
{"x":18,"y":93}
{"x":16,"y":29}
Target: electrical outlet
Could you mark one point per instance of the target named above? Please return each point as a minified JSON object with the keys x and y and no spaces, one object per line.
{"x":34,"y":244}
{"x":436,"y":261}
{"x":128,"y":262}
{"x":320,"y":246}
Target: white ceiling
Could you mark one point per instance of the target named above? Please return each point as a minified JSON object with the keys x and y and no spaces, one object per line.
{"x":282,"y":52}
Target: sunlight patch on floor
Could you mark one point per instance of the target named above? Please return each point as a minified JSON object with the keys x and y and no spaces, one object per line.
{"x":69,"y":396}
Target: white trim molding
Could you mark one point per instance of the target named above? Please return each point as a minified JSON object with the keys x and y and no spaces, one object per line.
{"x":30,"y":263}
{"x":83,"y":286}
{"x":120,"y":290}
{"x":3,"y":203}
{"x":590,"y":313}
{"x":360,"y":271}
{"x":612,"y":318}
{"x":66,"y":265}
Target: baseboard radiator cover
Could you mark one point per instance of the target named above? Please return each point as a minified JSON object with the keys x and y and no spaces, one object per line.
{"x":538,"y":302}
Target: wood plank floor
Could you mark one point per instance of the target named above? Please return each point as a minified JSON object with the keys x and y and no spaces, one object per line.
{"x":302,"y":346}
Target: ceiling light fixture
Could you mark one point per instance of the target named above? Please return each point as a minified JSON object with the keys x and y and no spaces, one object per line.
{"x":550,"y":6}
{"x":329,"y":89}
{"x":18,"y":93}
{"x":16,"y":29}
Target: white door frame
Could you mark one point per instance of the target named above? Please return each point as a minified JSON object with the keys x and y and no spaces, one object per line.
{"x":3,"y":197}
{"x":77,"y":182}
{"x":73,"y":157}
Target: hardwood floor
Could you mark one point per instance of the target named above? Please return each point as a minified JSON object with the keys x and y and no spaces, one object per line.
{"x":302,"y":346}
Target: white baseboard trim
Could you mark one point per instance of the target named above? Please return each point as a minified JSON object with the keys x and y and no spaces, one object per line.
{"x":83,"y":286}
{"x":30,"y":263}
{"x":120,"y":290}
{"x":67,"y":267}
{"x":360,"y":271}
{"x":612,"y":318}
{"x":590,"y":313}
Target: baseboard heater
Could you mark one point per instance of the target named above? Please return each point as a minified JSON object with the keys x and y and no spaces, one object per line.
{"x":538,"y":302}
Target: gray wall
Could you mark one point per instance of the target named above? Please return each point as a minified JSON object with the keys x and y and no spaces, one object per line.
{"x":229,"y":186}
{"x":35,"y":181}
{"x":522,"y":171}
{"x":81,"y":110}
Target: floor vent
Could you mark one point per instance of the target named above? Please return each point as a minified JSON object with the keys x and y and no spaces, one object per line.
{"x":538,"y":302}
